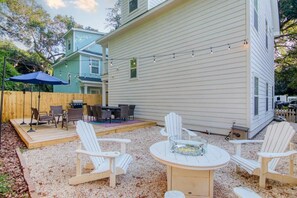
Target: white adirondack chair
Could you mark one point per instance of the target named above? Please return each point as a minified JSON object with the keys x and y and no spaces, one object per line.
{"x":173,"y":126}
{"x":275,"y":143}
{"x":104,"y":164}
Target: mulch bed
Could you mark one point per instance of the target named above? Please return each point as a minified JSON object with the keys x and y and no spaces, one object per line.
{"x":9,"y":162}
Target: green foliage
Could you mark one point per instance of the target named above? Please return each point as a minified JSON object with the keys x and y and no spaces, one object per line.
{"x":4,"y":185}
{"x":27,"y":22}
{"x":113,"y":17}
{"x":286,"y":51}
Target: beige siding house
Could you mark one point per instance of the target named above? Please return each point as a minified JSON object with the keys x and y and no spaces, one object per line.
{"x":209,"y":61}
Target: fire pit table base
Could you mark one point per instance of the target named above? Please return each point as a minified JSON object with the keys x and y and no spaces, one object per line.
{"x":193,"y":183}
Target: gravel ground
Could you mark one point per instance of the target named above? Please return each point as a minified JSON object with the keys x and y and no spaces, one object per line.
{"x":51,"y":167}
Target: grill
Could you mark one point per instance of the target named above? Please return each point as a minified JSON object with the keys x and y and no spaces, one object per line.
{"x":77,"y":104}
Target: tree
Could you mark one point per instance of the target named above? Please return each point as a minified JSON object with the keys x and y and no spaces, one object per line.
{"x":286,"y":51}
{"x":27,"y":22}
{"x":113,"y":17}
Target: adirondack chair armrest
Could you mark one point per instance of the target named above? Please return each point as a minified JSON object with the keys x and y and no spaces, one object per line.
{"x":163,"y":132}
{"x":114,"y":140}
{"x":245,"y":141}
{"x":277,"y":155}
{"x":112,"y":154}
{"x":191,"y":133}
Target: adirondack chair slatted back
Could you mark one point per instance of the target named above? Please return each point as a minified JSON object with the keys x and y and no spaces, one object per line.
{"x":277,"y":139}
{"x":173,"y":124}
{"x":89,"y":141}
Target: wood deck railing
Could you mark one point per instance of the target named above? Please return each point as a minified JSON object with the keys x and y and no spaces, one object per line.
{"x":13,"y":102}
{"x":289,"y":114}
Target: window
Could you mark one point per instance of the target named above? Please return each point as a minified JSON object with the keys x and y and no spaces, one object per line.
{"x":94,"y":66}
{"x":69,"y":45}
{"x":266,"y":96}
{"x":266,"y":33}
{"x":133,"y":68}
{"x":256,"y":14}
{"x":133,"y":5}
{"x":256,"y":96}
{"x":272,"y":97}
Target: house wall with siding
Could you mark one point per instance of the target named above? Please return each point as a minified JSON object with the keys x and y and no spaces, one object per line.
{"x":262,"y":65}
{"x":154,"y":3}
{"x":69,"y":38}
{"x":85,"y":67}
{"x":84,"y":38}
{"x":126,"y":16}
{"x":61,"y":72}
{"x":208,"y":90}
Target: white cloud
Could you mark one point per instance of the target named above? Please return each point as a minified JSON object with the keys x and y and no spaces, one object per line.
{"x":55,"y":3}
{"x":86,"y":5}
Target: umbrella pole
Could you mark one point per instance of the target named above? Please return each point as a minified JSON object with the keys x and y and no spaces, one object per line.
{"x":24,"y":98}
{"x":2,"y":96}
{"x":31,"y":130}
{"x":38,"y":97}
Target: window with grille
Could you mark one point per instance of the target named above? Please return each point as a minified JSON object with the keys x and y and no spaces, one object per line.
{"x":94,"y":66}
{"x":133,"y":68}
{"x":256,"y":96}
{"x":133,"y":5}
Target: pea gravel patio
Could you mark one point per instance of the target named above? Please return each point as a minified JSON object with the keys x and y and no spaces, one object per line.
{"x":51,"y":167}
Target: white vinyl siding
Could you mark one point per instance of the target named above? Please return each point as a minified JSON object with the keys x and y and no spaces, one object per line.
{"x":208,"y":90}
{"x":126,"y":15}
{"x":154,"y":3}
{"x":262,"y":64}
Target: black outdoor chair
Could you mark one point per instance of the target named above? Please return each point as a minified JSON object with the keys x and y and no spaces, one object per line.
{"x":131,"y":111}
{"x":57,"y":111}
{"x":72,"y":115}
{"x":100,"y":114}
{"x":42,"y":117}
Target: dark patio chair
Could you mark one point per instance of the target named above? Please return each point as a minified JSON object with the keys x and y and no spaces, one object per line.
{"x":100,"y":114}
{"x":42,"y":117}
{"x":90,"y":113}
{"x":57,"y":111}
{"x":131,"y":111}
{"x":72,"y":115}
{"x":124,"y":113}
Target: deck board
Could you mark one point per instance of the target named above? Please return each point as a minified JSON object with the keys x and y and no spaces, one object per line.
{"x":47,"y":135}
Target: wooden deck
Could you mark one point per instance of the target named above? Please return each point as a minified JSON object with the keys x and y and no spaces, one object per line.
{"x":47,"y":135}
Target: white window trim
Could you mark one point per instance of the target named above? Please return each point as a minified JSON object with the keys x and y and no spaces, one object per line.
{"x":137,"y":66}
{"x":91,"y":66}
{"x":256,"y":9}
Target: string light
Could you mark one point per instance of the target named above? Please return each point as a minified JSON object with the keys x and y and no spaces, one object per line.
{"x":173,"y":55}
{"x":193,"y":54}
{"x":90,"y":65}
{"x":229,"y":46}
{"x":211,"y":52}
{"x":245,"y":42}
{"x":154,"y":59}
{"x":66,"y":65}
{"x":111,"y":62}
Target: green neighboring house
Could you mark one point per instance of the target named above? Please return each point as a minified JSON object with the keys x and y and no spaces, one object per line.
{"x":82,"y":64}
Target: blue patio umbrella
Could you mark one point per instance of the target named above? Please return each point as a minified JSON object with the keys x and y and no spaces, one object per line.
{"x":39,"y":78}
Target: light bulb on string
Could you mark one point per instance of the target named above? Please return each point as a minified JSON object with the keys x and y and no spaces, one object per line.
{"x":229,"y":46}
{"x":90,"y":65}
{"x":154,"y":59}
{"x":193,"y":54}
{"x":211,"y":52}
{"x":245,"y":43}
{"x":173,"y":55}
{"x":111,"y":62}
{"x":66,"y":65}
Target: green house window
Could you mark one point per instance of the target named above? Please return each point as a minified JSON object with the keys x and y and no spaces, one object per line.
{"x":94,"y":66}
{"x":133,"y":68}
{"x":133,"y":5}
{"x":256,"y":96}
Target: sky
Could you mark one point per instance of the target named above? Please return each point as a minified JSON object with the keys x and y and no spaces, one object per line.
{"x":85,"y":12}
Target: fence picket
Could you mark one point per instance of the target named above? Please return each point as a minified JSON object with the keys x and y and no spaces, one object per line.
{"x":289,"y":114}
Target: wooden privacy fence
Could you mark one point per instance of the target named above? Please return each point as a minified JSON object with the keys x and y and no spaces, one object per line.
{"x":13,"y":102}
{"x":289,"y":114}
